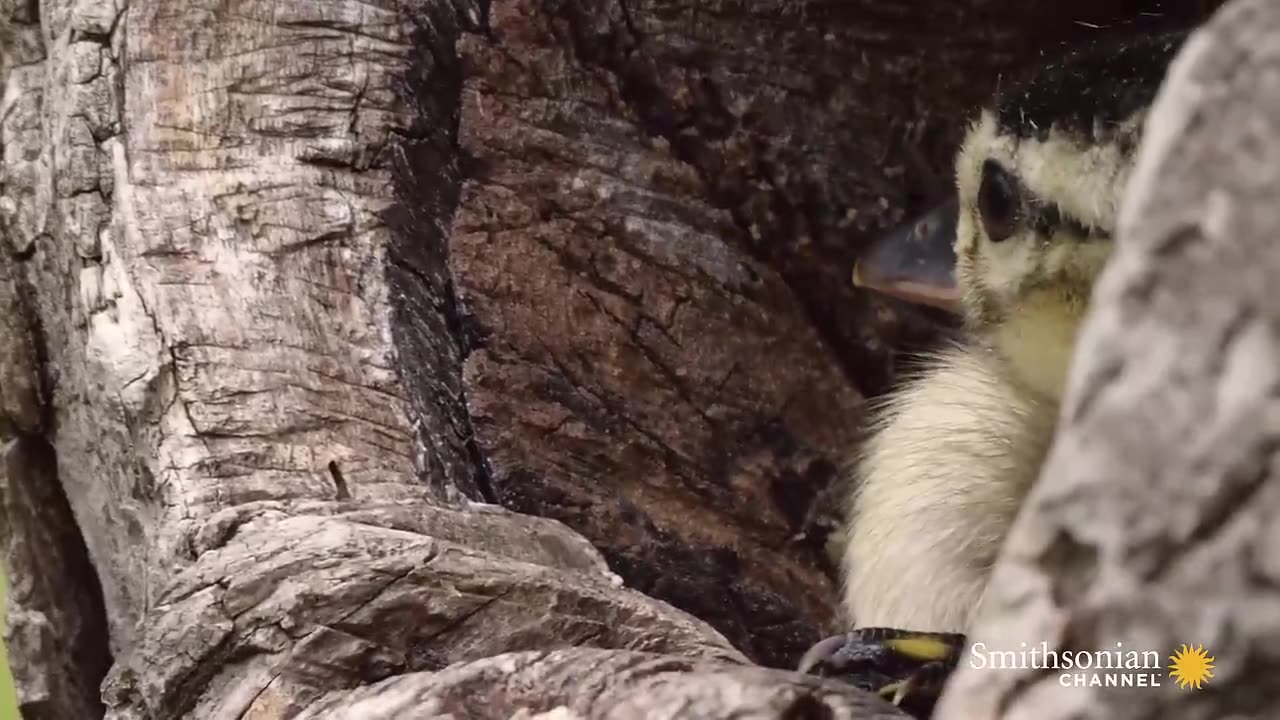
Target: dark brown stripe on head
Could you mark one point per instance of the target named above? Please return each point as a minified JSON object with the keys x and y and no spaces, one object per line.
{"x":1047,"y":221}
{"x":1091,"y":91}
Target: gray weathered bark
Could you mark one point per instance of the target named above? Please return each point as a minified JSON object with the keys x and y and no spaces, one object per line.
{"x":1155,"y":521}
{"x":295,"y":292}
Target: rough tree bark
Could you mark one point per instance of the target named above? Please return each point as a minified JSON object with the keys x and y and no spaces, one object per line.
{"x":294,"y":293}
{"x":1157,"y":519}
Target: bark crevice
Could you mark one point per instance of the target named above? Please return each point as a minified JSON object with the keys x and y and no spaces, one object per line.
{"x":429,"y":323}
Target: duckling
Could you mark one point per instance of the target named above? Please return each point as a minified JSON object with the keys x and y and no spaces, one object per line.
{"x":954,"y":451}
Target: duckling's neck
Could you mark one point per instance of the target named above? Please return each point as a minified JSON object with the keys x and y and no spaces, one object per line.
{"x":1037,"y":338}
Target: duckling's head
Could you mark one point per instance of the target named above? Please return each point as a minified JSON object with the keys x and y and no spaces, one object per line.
{"x":1039,"y":180}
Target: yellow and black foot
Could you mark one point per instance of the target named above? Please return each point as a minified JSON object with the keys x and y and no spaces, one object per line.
{"x":906,"y":668}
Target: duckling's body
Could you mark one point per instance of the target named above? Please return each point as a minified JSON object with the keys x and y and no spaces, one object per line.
{"x":953,"y":453}
{"x":955,"y":450}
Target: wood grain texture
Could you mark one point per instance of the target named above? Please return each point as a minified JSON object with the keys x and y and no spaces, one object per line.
{"x":298,"y":291}
{"x":618,"y":686}
{"x":652,"y":251}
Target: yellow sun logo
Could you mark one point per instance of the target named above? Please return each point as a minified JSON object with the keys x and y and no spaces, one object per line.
{"x":1190,"y":666}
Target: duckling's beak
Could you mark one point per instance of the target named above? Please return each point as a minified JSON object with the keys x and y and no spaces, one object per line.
{"x":916,"y":262}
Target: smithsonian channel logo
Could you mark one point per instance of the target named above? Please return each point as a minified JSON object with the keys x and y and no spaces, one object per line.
{"x":1188,"y":667}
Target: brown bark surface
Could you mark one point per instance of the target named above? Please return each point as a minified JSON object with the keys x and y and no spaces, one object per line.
{"x":296,"y":291}
{"x":615,"y":686}
{"x":652,"y":256}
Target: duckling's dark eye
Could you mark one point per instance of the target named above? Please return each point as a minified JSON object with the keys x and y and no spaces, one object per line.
{"x":998,"y":201}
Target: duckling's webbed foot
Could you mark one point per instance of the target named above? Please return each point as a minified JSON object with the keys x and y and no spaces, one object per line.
{"x":905,"y":667}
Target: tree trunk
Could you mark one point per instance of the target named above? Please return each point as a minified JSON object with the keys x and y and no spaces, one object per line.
{"x":296,"y":293}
